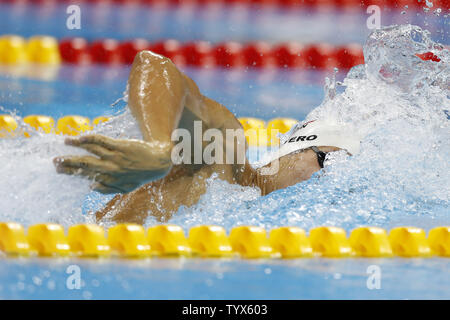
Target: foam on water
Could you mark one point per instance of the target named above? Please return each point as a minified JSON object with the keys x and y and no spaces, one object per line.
{"x":30,"y":189}
{"x":396,"y":103}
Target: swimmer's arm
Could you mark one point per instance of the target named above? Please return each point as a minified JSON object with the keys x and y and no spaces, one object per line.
{"x":158,"y":92}
{"x":212,"y":113}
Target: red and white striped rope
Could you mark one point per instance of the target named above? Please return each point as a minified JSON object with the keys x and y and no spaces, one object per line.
{"x":203,"y":54}
{"x":443,"y":4}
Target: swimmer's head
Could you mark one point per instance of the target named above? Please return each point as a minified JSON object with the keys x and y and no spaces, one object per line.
{"x":320,"y":133}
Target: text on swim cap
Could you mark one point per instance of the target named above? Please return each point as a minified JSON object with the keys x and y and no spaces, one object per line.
{"x":303,"y":138}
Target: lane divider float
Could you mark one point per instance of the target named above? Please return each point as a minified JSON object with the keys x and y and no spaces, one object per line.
{"x":248,"y":242}
{"x":45,"y":50}
{"x":257,"y":131}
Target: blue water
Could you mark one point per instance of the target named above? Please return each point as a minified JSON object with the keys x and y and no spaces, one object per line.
{"x":215,"y":24}
{"x":90,"y":91}
{"x":233,"y":279}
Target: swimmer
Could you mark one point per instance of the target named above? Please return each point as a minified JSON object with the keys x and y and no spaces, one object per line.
{"x":141,"y":172}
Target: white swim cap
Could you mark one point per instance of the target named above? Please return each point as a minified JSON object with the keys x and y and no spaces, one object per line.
{"x":318,"y":133}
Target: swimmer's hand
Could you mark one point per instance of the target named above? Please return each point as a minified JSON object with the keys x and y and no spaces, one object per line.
{"x":121,"y":165}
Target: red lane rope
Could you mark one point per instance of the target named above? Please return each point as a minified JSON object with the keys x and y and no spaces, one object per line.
{"x":444,"y":4}
{"x":257,"y":54}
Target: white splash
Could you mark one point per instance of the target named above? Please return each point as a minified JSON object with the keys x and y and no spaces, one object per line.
{"x":396,"y":101}
{"x":400,"y":105}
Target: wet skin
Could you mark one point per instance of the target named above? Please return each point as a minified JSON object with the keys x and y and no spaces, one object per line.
{"x":162,"y":99}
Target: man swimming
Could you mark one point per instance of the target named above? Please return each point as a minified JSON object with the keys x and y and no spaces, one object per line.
{"x":143,"y":173}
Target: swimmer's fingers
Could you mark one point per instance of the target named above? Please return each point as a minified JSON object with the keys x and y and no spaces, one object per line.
{"x":77,"y":172}
{"x":92,"y":175}
{"x":96,"y":139}
{"x":104,"y":188}
{"x":67,"y":170}
{"x":85,"y":163}
{"x":100,"y":151}
{"x":102,"y":182}
{"x":105,"y":183}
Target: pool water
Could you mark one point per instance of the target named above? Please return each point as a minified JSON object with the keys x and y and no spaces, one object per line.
{"x":214,"y":23}
{"x":83,"y":91}
{"x":400,"y":178}
{"x":222,"y":279}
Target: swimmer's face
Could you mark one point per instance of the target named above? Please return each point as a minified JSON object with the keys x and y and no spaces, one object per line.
{"x":289,"y":170}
